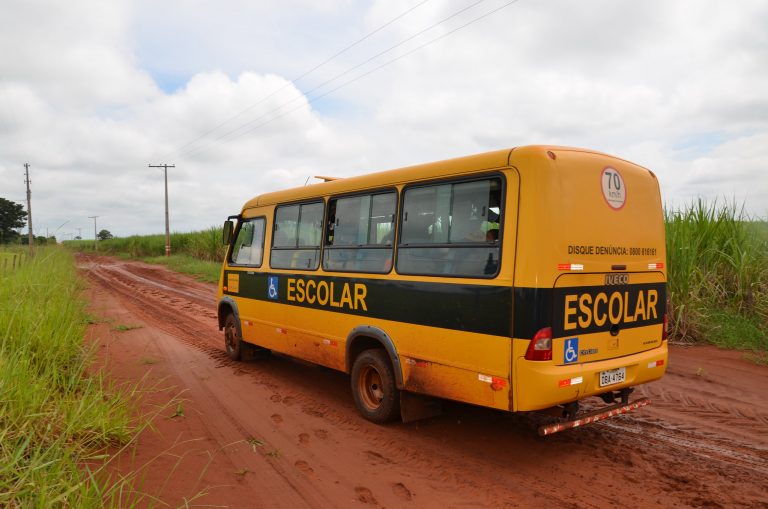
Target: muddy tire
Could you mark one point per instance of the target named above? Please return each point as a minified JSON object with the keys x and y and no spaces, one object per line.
{"x":233,"y":340}
{"x":374,"y":387}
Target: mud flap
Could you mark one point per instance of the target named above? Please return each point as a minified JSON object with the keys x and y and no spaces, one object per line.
{"x":251,"y":352}
{"x":414,"y":407}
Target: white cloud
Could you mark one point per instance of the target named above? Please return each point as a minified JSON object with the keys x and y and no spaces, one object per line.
{"x":734,"y":171}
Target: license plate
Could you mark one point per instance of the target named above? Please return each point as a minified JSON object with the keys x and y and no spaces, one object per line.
{"x":613,"y":376}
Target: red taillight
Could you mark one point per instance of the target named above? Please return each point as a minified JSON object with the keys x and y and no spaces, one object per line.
{"x":665,"y":328}
{"x":540,"y":348}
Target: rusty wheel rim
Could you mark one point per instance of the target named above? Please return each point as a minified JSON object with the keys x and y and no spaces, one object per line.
{"x":370,"y":388}
{"x":230,"y":336}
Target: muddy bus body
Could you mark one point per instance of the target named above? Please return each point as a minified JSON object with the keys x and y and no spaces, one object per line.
{"x":522,"y":279}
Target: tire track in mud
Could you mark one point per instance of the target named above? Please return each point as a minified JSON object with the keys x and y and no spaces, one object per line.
{"x":124,"y":284}
{"x":749,"y":458}
{"x":690,"y":462}
{"x":724,"y":413}
{"x":164,"y":312}
{"x":150,"y":277}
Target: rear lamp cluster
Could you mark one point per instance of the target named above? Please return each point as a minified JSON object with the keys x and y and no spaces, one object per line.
{"x":540,"y":348}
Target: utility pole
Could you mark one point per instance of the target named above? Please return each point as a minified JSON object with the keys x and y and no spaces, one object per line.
{"x":29,"y":211}
{"x":95,"y":238}
{"x":167,"y":223}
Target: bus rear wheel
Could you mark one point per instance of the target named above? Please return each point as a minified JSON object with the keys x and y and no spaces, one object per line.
{"x":233,"y":341}
{"x":374,"y":388}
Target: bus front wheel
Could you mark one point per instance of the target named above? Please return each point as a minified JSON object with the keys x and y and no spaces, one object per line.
{"x":233,"y":341}
{"x":374,"y":388}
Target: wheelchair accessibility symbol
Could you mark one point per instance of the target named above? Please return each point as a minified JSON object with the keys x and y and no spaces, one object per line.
{"x":571,"y":350}
{"x":272,"y":287}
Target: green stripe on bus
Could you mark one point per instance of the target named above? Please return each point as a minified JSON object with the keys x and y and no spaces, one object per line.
{"x":494,"y":310}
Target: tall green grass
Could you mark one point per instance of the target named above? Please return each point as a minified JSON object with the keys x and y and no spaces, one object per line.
{"x":55,"y":417}
{"x":10,"y":259}
{"x":197,"y":253}
{"x":718,"y":276}
{"x":202,"y":245}
{"x":204,"y":270}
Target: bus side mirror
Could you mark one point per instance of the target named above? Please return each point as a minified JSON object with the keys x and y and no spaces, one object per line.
{"x":227,"y":232}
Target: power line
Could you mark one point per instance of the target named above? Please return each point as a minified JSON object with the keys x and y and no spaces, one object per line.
{"x":360,"y":40}
{"x":321,"y":85}
{"x":303,"y":75}
{"x":349,"y":82}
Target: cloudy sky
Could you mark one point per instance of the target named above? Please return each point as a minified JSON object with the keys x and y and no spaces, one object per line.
{"x":249,"y":96}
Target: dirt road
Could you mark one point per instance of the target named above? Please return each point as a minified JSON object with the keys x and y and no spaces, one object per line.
{"x":277,"y":432}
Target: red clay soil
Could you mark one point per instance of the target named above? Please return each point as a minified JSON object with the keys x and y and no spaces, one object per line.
{"x":275,"y":432}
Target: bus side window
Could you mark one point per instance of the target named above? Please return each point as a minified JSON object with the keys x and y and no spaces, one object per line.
{"x":296,"y":239}
{"x":451,"y":229}
{"x":360,"y":232}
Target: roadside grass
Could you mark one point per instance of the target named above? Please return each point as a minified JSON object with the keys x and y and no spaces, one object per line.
{"x":57,"y":420}
{"x":202,"y":245}
{"x":126,"y":328}
{"x":198,"y":254}
{"x":11,"y":257}
{"x":204,"y":270}
{"x":760,"y":358}
{"x":729,"y":329}
{"x":718,"y":276}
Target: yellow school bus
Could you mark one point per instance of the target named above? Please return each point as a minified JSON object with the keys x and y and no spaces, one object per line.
{"x":523,"y":279}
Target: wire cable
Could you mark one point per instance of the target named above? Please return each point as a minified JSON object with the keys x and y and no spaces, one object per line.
{"x":347,"y":83}
{"x":303,"y":75}
{"x":344,"y":73}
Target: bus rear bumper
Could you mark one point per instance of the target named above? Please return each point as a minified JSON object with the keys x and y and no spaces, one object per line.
{"x":542,"y":384}
{"x":589,"y":418}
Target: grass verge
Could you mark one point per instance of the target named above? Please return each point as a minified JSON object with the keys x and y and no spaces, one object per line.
{"x":204,"y":270}
{"x":201,"y":245}
{"x":56,"y":419}
{"x":718,"y":276}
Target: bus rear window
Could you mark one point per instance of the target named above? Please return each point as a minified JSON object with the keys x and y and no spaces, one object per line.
{"x":451,"y":229}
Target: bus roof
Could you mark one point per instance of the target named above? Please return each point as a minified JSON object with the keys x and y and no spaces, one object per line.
{"x":457,"y":166}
